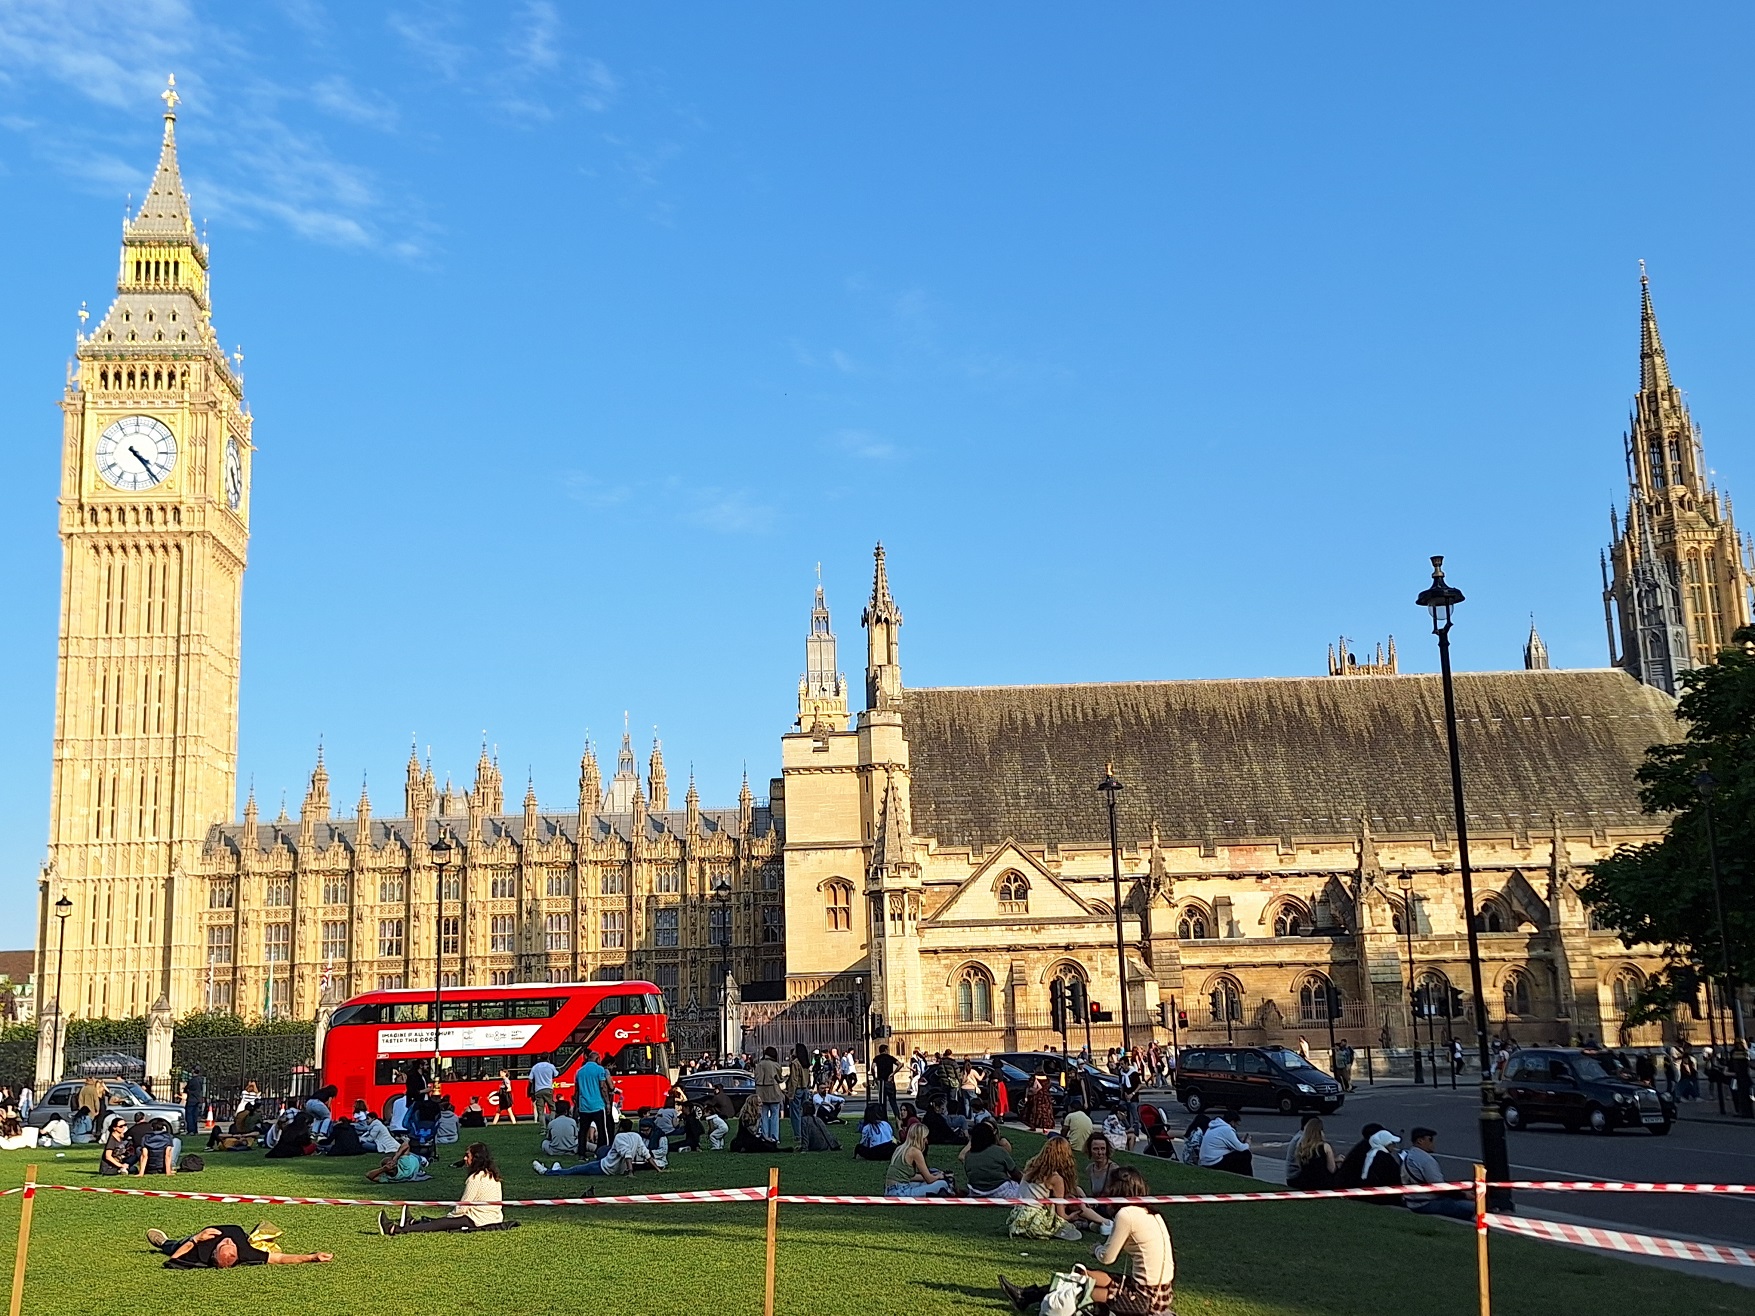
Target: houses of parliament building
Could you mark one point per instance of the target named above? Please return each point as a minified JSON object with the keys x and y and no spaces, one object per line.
{"x":926,"y":863}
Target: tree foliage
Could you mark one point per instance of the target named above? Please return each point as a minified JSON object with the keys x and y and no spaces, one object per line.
{"x":1660,"y":893}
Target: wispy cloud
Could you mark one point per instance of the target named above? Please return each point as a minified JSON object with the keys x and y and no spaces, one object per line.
{"x":427,"y":35}
{"x":864,"y":444}
{"x":724,"y":509}
{"x":341,"y":98}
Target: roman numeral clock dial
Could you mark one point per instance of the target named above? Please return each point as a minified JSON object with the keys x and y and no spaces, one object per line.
{"x":137,"y":452}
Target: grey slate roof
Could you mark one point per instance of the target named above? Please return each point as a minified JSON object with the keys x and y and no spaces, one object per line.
{"x":1210,"y":760}
{"x":506,"y":826}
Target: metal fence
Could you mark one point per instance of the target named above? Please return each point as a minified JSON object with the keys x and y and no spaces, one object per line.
{"x":18,"y":1064}
{"x":279,"y":1064}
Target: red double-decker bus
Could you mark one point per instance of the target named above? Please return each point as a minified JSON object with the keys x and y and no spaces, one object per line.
{"x":372,"y":1039}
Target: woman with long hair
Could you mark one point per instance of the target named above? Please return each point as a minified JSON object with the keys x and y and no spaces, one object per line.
{"x":752,"y":1133}
{"x":910,"y":1176}
{"x":1051,"y":1172}
{"x":1039,"y":1105}
{"x":1313,"y":1159}
{"x":501,"y":1100}
{"x":798,"y":1089}
{"x":477,"y":1208}
{"x":877,"y":1140}
{"x":1147,"y":1287}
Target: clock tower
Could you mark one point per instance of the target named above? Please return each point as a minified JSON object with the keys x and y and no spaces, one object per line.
{"x":154,"y":525}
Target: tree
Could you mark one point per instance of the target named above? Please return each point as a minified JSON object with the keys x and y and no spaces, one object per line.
{"x":1662,"y":893}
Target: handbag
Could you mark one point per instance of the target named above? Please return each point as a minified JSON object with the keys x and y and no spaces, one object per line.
{"x":1068,"y":1294}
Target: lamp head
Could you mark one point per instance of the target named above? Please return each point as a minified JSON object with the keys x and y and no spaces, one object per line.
{"x":1439,"y":598}
{"x":1705,"y":784}
{"x":63,"y":907}
{"x":1110,"y":784}
{"x":440,"y":851}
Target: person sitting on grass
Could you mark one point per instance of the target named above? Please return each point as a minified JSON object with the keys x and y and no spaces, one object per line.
{"x":877,"y":1140}
{"x":689,"y":1128}
{"x":943,"y":1129}
{"x":910,"y":1117}
{"x":57,"y":1133}
{"x":1191,"y":1138}
{"x":988,"y":1167}
{"x":114,"y":1158}
{"x":13,"y":1135}
{"x":221,"y":1247}
{"x":294,"y":1138}
{"x":83,"y":1129}
{"x":400,"y":1166}
{"x":910,"y":1176}
{"x":1351,"y":1172}
{"x":445,"y":1131}
{"x":625,"y":1153}
{"x":562,"y":1138}
{"x":717,"y":1129}
{"x":1051,"y":1172}
{"x":1077,"y":1126}
{"x":1383,"y":1168}
{"x":1311,"y":1159}
{"x":1223,"y":1148}
{"x":159,"y":1150}
{"x":1419,"y":1166}
{"x":473,"y":1116}
{"x":814,"y":1135}
{"x":1147,"y":1287}
{"x":827,"y":1103}
{"x":750,"y":1137}
{"x":477,"y":1208}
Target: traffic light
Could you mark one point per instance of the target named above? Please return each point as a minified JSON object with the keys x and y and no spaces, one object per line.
{"x":1094,"y":1012}
{"x":1456,"y":1003}
{"x":1078,"y":1001}
{"x":1182,"y":1018}
{"x":1057,"y":1005}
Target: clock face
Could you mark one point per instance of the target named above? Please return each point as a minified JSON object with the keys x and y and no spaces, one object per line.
{"x":234,"y":475}
{"x":137,"y":452}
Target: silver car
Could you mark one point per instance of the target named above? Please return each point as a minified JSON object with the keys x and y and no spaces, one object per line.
{"x":126,"y":1101}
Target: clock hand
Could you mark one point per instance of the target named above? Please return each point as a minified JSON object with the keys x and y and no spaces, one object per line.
{"x":140,"y":459}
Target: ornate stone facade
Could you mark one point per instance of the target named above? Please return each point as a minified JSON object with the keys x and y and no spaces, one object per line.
{"x":298,"y":913}
{"x":950,"y":847}
{"x":1680,"y":584}
{"x":154,"y":522}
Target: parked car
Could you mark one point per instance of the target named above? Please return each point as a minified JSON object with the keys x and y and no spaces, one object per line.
{"x":739,"y":1084}
{"x":1561,"y":1085}
{"x":1065,"y":1073}
{"x":1264,"y":1077}
{"x":126,"y":1101}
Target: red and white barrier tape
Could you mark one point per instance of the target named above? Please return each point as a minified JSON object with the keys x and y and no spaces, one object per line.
{"x":254,"y":1199}
{"x":1622,"y":1186}
{"x":1614,"y":1240}
{"x":1176,"y":1199}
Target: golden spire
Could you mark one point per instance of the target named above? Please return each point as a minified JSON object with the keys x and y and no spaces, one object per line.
{"x":172,"y":100}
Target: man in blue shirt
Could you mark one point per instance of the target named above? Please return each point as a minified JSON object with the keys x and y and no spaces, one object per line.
{"x":542,"y":1088}
{"x":593,"y":1079}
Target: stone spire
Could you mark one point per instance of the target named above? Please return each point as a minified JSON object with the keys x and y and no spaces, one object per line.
{"x":417,"y":801}
{"x":490,"y":791}
{"x":692,"y":807}
{"x":530,"y":815}
{"x":316,"y":803}
{"x":882,"y":620}
{"x":164,"y":211}
{"x":822,"y":690}
{"x":1535,"y":652}
{"x":251,"y":838}
{"x":658,"y":786}
{"x":892,"y":849}
{"x":626,"y":782}
{"x":363,"y":811}
{"x":590,"y":782}
{"x":1654,"y":370}
{"x":746,"y":807}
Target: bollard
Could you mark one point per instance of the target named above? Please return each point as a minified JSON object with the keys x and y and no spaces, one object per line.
{"x":1481,"y":1238}
{"x":773,"y":1221}
{"x":24,"y":1213}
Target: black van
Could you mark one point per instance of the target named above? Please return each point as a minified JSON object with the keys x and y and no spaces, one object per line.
{"x":1579,"y":1090}
{"x":1265,"y":1077}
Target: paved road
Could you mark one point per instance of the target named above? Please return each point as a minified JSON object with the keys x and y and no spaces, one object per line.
{"x":1694,"y":1151}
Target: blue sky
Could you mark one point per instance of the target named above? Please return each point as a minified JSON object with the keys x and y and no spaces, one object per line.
{"x":1153,"y":341}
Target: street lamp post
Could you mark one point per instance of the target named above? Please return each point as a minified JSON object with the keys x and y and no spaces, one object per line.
{"x":1110,"y":788}
{"x":63,"y":907}
{"x":722,"y":893}
{"x":1406,"y":879}
{"x":1739,"y":1042}
{"x":440,"y":853}
{"x":1440,"y":599}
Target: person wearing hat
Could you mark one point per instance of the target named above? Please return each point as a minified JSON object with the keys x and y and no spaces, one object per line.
{"x":1382,"y":1168}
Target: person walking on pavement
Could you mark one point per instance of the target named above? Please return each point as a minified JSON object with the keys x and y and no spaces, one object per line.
{"x":1344,"y":1065}
{"x":1456,"y":1056}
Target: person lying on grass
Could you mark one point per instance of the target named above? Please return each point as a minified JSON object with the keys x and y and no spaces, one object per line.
{"x":400,"y":1166}
{"x":1147,"y":1287}
{"x":220,"y":1247}
{"x":477,"y":1208}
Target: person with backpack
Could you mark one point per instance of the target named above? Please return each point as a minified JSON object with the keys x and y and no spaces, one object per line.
{"x":1146,"y":1288}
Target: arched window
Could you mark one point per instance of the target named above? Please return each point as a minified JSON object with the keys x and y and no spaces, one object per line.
{"x":1315,"y":995}
{"x":1193,"y":924}
{"x":1626,"y":989}
{"x":1517,"y":993}
{"x":1225,"y":997}
{"x":1434,"y":999}
{"x":1014,"y":893}
{"x":1494,"y":918}
{"x":1290,"y":919}
{"x":838,"y":905}
{"x":974,"y":996}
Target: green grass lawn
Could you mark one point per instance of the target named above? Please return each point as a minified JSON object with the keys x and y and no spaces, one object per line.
{"x":89,"y":1251}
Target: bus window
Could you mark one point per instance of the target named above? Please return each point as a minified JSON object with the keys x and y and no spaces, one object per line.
{"x":545,"y":1007}
{"x":355,"y":1014}
{"x":410,"y":1012}
{"x":639,"y":1058}
{"x":617,"y":1005}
